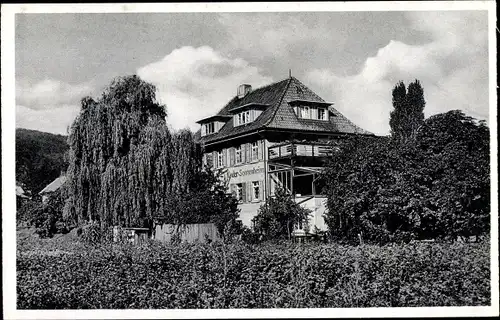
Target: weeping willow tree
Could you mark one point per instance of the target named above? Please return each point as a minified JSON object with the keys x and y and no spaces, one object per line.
{"x":125,"y":165}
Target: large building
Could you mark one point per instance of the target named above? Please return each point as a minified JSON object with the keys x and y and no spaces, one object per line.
{"x":273,"y":136}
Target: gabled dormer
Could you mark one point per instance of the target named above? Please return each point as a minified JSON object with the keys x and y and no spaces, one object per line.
{"x":247,"y":113}
{"x":212,"y":124}
{"x":312,"y":110}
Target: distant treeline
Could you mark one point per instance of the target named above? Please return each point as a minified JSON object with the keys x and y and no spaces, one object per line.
{"x":40,"y":158}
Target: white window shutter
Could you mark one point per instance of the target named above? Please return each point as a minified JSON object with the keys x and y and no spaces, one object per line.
{"x":244,"y":192}
{"x":231,"y":156}
{"x":249,"y":191}
{"x":215,"y":160}
{"x":260,"y":149}
{"x":261,"y":190}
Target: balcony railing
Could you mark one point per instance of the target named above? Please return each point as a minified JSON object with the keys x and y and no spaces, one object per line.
{"x":299,"y":149}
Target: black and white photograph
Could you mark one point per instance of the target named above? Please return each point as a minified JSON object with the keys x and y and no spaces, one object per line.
{"x":249,"y":160}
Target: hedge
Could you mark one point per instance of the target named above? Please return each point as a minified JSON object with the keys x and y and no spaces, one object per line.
{"x":275,"y":275}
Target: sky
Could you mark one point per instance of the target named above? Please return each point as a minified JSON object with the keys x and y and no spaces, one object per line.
{"x":197,"y":60}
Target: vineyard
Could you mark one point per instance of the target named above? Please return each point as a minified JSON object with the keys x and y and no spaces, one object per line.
{"x":73,"y":275}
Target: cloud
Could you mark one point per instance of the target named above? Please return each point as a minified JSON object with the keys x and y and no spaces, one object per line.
{"x":50,"y":93}
{"x":268,"y":33}
{"x":55,"y":120}
{"x":196,"y":82}
{"x":452,"y":67}
{"x":49,"y":105}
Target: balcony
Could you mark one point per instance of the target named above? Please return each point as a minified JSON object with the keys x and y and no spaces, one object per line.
{"x":291,"y":149}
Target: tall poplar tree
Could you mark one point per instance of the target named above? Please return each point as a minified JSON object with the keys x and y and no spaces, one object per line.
{"x":408,"y":114}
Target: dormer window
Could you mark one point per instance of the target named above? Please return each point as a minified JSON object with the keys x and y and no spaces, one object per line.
{"x":213,"y":124}
{"x":314,"y":113}
{"x":209,"y":127}
{"x":244,"y":117}
{"x":247,"y":113}
{"x":314,"y":110}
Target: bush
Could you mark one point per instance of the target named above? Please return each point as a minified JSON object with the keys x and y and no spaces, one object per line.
{"x":279,"y":216}
{"x":437,"y":186}
{"x":47,"y":218}
{"x":278,"y":275}
{"x":94,"y":233}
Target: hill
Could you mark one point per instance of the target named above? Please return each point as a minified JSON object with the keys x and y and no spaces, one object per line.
{"x":40,"y":158}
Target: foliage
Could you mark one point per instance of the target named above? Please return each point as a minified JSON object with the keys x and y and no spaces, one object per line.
{"x":456,"y":154}
{"x":94,"y":233}
{"x":279,"y":215}
{"x":119,"y":150}
{"x":408,"y":114}
{"x":40,"y":158}
{"x":437,"y":187}
{"x":206,"y":201}
{"x":126,"y":167}
{"x":286,"y":275}
{"x":47,"y":217}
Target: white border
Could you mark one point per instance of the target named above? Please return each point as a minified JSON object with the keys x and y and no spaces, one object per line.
{"x":8,"y":173}
{"x":253,"y":7}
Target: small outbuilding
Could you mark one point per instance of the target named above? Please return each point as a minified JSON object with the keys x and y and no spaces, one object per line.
{"x":132,"y":235}
{"x":52,"y":187}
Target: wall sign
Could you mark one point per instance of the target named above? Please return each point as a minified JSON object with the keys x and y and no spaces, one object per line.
{"x":244,"y":171}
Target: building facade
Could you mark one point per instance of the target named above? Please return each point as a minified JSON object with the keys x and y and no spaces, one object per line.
{"x":278,"y":135}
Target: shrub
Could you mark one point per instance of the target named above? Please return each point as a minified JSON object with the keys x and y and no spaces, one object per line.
{"x":436,"y":186}
{"x":47,"y":217}
{"x":94,"y":233}
{"x":270,"y":275}
{"x":279,"y":215}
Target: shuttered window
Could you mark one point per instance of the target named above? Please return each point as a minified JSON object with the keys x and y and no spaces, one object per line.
{"x":220,"y":159}
{"x":256,"y":190}
{"x":255,"y":151}
{"x":209,"y":160}
{"x":239,"y":154}
{"x":233,"y":189}
{"x":241,"y":192}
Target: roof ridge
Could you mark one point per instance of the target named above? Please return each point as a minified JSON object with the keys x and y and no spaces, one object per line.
{"x":279,"y":103}
{"x":268,"y":85}
{"x":304,"y":86}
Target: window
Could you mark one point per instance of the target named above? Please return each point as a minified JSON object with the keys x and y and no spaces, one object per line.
{"x":255,"y":150}
{"x":256,"y":190}
{"x":210,"y":128}
{"x":239,"y":191}
{"x":220,"y":159}
{"x":305,"y":112}
{"x":210,"y":159}
{"x":238,"y":154}
{"x":321,"y":114}
{"x":242,"y":118}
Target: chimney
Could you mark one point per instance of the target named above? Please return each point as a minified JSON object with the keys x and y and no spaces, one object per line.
{"x":243,"y":90}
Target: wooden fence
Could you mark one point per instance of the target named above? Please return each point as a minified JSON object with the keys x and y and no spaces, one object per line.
{"x":188,"y":233}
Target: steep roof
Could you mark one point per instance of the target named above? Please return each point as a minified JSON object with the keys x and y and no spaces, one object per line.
{"x":20,"y":192}
{"x":54,"y":185}
{"x":280,"y":114}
